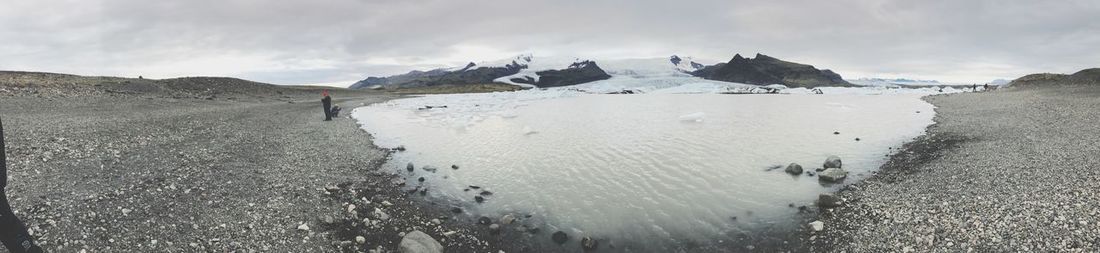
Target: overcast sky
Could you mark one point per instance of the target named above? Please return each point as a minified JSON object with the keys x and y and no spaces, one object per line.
{"x":294,"y":42}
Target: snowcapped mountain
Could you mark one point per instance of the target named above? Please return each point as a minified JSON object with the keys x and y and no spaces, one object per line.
{"x":532,"y":71}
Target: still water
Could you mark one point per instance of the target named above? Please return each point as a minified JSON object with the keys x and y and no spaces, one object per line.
{"x":650,"y":169}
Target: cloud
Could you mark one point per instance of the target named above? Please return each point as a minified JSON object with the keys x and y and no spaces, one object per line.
{"x":335,"y":40}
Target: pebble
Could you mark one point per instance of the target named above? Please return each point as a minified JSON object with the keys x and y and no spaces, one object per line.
{"x":494,"y":228}
{"x":589,"y":244}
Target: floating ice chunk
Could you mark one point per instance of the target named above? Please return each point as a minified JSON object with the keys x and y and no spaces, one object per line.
{"x":509,"y":114}
{"x":693,"y":117}
{"x":527,"y":130}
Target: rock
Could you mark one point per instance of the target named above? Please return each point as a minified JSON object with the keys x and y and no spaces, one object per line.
{"x":507,"y":219}
{"x":456,"y":210}
{"x":817,"y":225}
{"x":828,"y":200}
{"x":479,"y":199}
{"x":484,"y":220}
{"x":303,"y":227}
{"x":832,"y":175}
{"x":421,"y":179}
{"x":436,"y":222}
{"x":332,"y":188}
{"x":559,"y":237}
{"x":410,"y":167}
{"x":379,"y":214}
{"x":419,"y":242}
{"x":386,"y":203}
{"x":326,"y":219}
{"x":794,"y":169}
{"x":836,"y":132}
{"x":832,"y":162}
{"x":588,"y":244}
{"x":360,"y":239}
{"x":430,"y":168}
{"x":454,"y":167}
{"x":485,"y":193}
{"x":494,"y":228}
{"x":351,"y":209}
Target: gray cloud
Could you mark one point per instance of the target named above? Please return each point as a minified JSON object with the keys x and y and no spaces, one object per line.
{"x":336,"y":40}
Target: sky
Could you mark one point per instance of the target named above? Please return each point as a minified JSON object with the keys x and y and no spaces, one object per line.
{"x":340,"y":41}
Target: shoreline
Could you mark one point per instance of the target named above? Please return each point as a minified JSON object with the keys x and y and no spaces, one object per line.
{"x":996,"y":172}
{"x":247,"y":167}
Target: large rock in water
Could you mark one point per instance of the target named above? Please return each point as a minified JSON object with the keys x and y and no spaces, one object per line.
{"x":832,"y":175}
{"x":832,"y":162}
{"x":794,"y":169}
{"x":419,"y":242}
{"x":765,"y":70}
{"x":828,"y":200}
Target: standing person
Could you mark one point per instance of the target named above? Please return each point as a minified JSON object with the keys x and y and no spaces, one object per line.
{"x":12,"y":231}
{"x":985,"y":87}
{"x":327,"y":104}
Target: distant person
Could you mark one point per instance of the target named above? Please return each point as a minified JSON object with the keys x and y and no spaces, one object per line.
{"x":326,"y":103}
{"x":12,"y":231}
{"x":985,"y":87}
{"x":335,"y":111}
{"x":974,"y":87}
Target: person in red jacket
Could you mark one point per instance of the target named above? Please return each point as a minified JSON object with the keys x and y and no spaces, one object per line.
{"x":326,"y":103}
{"x":12,"y":231}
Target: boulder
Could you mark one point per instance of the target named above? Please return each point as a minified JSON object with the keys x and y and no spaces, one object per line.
{"x":507,"y":219}
{"x":832,"y":175}
{"x":828,"y":200}
{"x":419,"y":242}
{"x":832,"y":162}
{"x":794,"y":169}
{"x":559,"y":237}
{"x":410,"y":167}
{"x":817,"y":225}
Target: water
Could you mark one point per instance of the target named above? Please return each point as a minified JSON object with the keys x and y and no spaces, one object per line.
{"x":648,"y":169}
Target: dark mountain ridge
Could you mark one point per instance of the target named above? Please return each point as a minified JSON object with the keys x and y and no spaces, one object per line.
{"x":1083,"y":77}
{"x":765,"y":70}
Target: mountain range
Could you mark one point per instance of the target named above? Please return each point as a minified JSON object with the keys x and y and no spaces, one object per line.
{"x":529,"y":71}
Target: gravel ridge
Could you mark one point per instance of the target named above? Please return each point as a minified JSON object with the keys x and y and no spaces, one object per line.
{"x":1002,"y":171}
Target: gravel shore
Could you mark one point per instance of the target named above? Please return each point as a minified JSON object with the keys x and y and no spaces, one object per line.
{"x":1004,"y":171}
{"x":225,"y":165}
{"x":204,"y":165}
